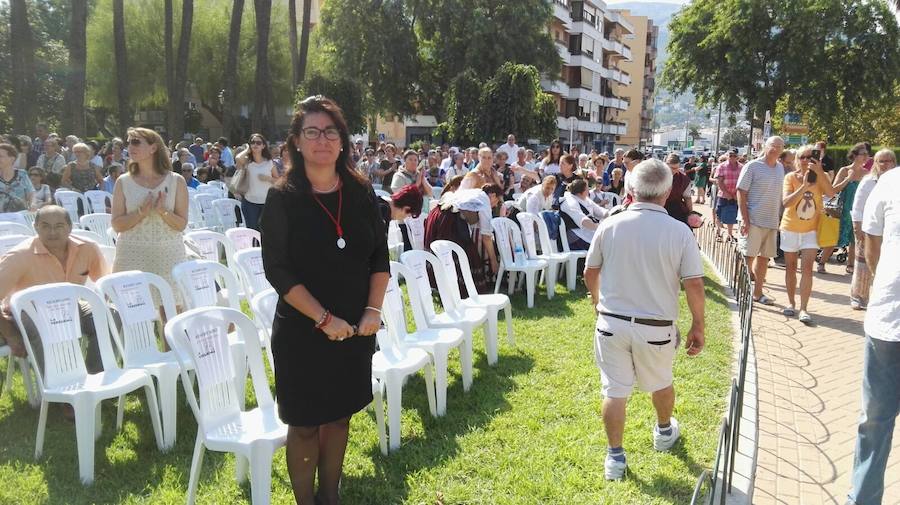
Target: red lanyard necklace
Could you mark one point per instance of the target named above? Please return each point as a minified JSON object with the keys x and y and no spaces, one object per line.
{"x":341,"y":243}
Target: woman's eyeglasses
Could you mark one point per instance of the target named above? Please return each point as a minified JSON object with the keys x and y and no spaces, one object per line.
{"x":260,"y":143}
{"x":313,"y":133}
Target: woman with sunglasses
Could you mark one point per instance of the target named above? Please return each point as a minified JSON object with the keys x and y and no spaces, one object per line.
{"x":261,"y":174}
{"x":845,"y":182}
{"x":550,"y":164}
{"x":324,"y":250}
{"x":149,"y":209}
{"x":802,"y":199}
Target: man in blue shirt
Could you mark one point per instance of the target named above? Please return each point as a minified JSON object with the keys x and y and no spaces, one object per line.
{"x":227,"y":155}
{"x":618,"y":162}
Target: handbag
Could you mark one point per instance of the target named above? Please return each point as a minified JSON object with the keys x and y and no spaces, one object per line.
{"x":240,"y":183}
{"x":828,"y":231}
{"x":834,"y":205}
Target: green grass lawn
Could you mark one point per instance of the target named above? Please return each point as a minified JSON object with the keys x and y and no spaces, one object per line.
{"x":528,"y":432}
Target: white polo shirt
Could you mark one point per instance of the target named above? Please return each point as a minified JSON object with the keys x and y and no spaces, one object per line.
{"x":643,"y":255}
{"x":512,"y":151}
{"x":882,"y":218}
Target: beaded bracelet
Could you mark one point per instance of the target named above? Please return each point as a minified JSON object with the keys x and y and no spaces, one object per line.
{"x":373,"y":308}
{"x":324,"y":320}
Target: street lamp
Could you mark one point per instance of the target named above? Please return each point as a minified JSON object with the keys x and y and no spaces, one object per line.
{"x":573,"y":123}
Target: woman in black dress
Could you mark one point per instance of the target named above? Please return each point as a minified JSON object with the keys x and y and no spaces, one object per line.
{"x":324,"y":251}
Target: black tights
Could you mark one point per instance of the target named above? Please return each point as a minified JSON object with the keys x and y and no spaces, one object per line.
{"x":312,"y":448}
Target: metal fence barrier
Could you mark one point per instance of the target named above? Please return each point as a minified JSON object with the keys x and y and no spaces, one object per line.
{"x":729,"y":263}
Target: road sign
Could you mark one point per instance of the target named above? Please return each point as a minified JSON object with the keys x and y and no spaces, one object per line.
{"x":382,"y":137}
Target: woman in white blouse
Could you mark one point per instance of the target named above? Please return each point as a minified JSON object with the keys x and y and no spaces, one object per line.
{"x":885,"y":160}
{"x":540,"y":197}
{"x":581,"y":214}
{"x":261,"y":173}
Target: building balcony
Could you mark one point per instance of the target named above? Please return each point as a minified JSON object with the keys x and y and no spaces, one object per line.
{"x":584,"y":125}
{"x":558,"y":87}
{"x":614,"y":16}
{"x":583,"y":60}
{"x":614,"y":74}
{"x":561,"y":11}
{"x":615,"y":103}
{"x":563,"y":51}
{"x":617,"y":48}
{"x":579,"y":93}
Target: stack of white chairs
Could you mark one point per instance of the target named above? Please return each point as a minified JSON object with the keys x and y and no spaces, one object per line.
{"x":204,"y":201}
{"x":16,"y":217}
{"x":493,"y":303}
{"x":226,"y":211}
{"x":99,"y":223}
{"x":11,"y":228}
{"x":54,"y":310}
{"x":138,"y":343}
{"x":100,"y":201}
{"x":453,"y":316}
{"x":69,"y":200}
{"x":437,"y":342}
{"x":415,"y":227}
{"x":199,"y":337}
{"x":210,"y":245}
{"x":508,"y":238}
{"x":249,"y":266}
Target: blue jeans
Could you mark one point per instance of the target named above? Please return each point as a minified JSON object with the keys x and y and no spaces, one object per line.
{"x":251,"y":213}
{"x":880,"y":407}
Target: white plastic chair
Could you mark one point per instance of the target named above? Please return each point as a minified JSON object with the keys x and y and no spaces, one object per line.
{"x":453,"y":316}
{"x":11,"y":228}
{"x":612,"y":198}
{"x":415,"y":227}
{"x":243,"y":238}
{"x":68,"y":200}
{"x":89,"y":235}
{"x":7,"y":242}
{"x":263,"y":307}
{"x":197,"y":280}
{"x":113,"y":236}
{"x":221,"y":185}
{"x":99,"y":200}
{"x":99,"y":223}
{"x":508,"y":236}
{"x":109,"y":254}
{"x":214,"y":190}
{"x":391,"y":364}
{"x":226,"y":211}
{"x":195,"y":212}
{"x":535,"y":237}
{"x":138,"y":343}
{"x":571,"y":257}
{"x":15,"y":217}
{"x":565,"y":242}
{"x":204,"y":202}
{"x":222,"y":423}
{"x":249,"y":265}
{"x":29,"y":217}
{"x":493,"y":303}
{"x":436,"y":342}
{"x":54,"y":310}
{"x":207,"y":242}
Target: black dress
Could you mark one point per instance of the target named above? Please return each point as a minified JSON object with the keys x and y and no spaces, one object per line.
{"x":318,"y":380}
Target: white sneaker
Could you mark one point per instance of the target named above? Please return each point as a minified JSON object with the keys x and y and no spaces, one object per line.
{"x":665,"y":442}
{"x":614,"y":470}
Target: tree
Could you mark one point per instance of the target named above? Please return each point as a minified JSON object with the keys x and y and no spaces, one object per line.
{"x":304,"y":40}
{"x":73,"y":120}
{"x":694,"y":132}
{"x":177,"y":67}
{"x":752,"y":52}
{"x":462,"y":109}
{"x":292,"y":42}
{"x":121,"y":67}
{"x":23,"y":71}
{"x":264,"y":99}
{"x":736,"y":136}
{"x":347,"y":93}
{"x":228,"y":76}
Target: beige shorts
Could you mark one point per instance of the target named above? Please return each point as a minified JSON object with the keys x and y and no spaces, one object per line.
{"x":628,"y":352}
{"x":761,"y":242}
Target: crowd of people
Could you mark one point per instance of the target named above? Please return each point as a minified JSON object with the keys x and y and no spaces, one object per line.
{"x":324,"y":233}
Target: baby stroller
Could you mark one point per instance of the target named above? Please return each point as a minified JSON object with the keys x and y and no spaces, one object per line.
{"x":840,"y":255}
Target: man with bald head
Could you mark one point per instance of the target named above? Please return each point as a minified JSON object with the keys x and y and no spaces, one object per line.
{"x":54,"y":255}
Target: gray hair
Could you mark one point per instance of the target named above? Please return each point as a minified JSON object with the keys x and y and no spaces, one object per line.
{"x":52,"y":209}
{"x":650,"y":180}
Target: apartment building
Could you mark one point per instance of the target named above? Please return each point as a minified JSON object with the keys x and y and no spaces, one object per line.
{"x":638,"y":117}
{"x":591,"y":40}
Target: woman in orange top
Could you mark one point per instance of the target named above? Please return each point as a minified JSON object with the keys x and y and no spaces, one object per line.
{"x":802,"y":198}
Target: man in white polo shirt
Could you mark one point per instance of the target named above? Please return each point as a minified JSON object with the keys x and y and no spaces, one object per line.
{"x":510,"y":148}
{"x":637,"y":261}
{"x":881,"y":367}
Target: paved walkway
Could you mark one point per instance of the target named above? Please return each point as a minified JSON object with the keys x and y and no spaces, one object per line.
{"x":809,"y":381}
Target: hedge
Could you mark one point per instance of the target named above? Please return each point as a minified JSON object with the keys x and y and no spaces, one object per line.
{"x":839,"y":153}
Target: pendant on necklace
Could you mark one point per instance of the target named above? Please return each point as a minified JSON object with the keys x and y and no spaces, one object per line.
{"x":341,"y":243}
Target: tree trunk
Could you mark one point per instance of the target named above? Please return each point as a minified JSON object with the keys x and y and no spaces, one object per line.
{"x":121,"y":69}
{"x":292,"y":44}
{"x":176,"y":94}
{"x":22,"y":52}
{"x":304,"y":40}
{"x":73,"y":116}
{"x":264,"y":96}
{"x":169,"y":57}
{"x":230,"y":77}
